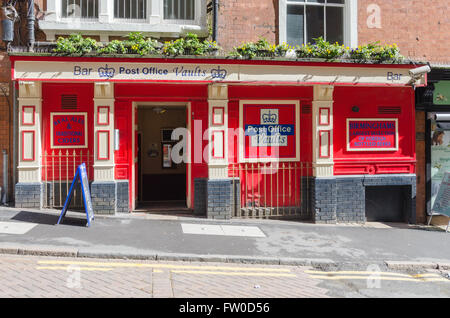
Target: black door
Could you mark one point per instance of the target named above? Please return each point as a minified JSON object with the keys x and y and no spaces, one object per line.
{"x":386,"y":203}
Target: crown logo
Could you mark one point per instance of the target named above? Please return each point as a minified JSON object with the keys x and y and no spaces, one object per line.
{"x":219,"y":73}
{"x":269,"y":118}
{"x":106,"y":71}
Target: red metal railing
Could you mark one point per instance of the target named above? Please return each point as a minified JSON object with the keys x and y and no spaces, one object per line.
{"x":264,"y":190}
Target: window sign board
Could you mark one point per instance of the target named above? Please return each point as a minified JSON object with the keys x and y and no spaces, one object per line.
{"x":372,"y":134}
{"x":68,"y":130}
{"x":81,"y":176}
{"x":270,"y":131}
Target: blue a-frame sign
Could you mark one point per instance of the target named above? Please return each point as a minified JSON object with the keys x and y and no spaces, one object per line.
{"x":82,"y":176}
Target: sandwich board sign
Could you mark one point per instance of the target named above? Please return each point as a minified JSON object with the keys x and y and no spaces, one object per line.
{"x":82,"y":176}
{"x":441,"y":204}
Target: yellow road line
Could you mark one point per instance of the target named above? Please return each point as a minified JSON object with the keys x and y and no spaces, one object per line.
{"x":231,"y":273}
{"x":392,"y":278}
{"x":166,"y":266}
{"x":370,"y":273}
{"x":437,"y":280}
{"x":427,"y":275}
{"x":73,"y":268}
{"x":417,"y":280}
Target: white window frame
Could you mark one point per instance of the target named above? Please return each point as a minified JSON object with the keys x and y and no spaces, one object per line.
{"x":80,"y":18}
{"x":122,"y":20}
{"x":350,"y":21}
{"x":107,"y":25}
{"x":197,"y":7}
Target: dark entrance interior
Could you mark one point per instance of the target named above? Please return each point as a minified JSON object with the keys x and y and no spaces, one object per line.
{"x":388,"y":203}
{"x":161,"y":182}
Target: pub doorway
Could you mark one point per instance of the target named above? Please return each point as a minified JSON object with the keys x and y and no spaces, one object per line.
{"x":161,"y":180}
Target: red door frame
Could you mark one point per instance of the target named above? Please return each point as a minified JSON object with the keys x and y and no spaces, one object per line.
{"x":126,"y":159}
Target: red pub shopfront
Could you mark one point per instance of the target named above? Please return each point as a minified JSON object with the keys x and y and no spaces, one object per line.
{"x":331,"y":142}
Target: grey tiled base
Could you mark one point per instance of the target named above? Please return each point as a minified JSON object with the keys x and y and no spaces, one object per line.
{"x":342,"y":199}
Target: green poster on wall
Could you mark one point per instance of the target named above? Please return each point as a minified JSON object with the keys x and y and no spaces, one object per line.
{"x":440,"y":157}
{"x":442,"y":201}
{"x":441,"y":95}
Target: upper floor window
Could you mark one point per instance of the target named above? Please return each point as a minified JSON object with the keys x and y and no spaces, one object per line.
{"x":79,"y":9}
{"x":310,"y":19}
{"x":130,"y":9}
{"x":112,"y":18}
{"x":179,"y":9}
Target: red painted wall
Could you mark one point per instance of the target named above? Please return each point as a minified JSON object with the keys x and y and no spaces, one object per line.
{"x":401,"y":105}
{"x":51,"y":102}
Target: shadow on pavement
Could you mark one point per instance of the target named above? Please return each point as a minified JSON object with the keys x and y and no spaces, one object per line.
{"x":405,"y":226}
{"x":48,"y":219}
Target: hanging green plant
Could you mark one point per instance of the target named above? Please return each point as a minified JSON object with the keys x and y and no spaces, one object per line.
{"x":282,"y":49}
{"x":260,"y":48}
{"x":113,"y":47}
{"x":75,"y":44}
{"x":377,"y":53}
{"x":321,"y":49}
{"x":189,"y":45}
{"x":372,"y":52}
{"x":137,"y":43}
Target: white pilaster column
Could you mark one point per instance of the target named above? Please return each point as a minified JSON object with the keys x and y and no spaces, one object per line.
{"x":218,"y":131}
{"x":53,"y":12}
{"x":322,"y":105}
{"x":30,"y":115}
{"x":106,"y":11}
{"x":155,"y":11}
{"x":104,"y":132}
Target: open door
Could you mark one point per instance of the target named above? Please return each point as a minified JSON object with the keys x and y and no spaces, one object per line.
{"x":124,"y":155}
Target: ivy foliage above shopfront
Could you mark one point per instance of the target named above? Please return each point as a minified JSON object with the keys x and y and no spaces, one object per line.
{"x":191,"y":45}
{"x":135,"y":43}
{"x":321,"y":49}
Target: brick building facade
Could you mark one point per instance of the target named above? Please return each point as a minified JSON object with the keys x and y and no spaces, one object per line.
{"x":419,"y":28}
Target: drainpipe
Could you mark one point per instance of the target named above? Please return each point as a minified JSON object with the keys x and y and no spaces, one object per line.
{"x":30,"y":25}
{"x":5,"y":197}
{"x":215,"y":18}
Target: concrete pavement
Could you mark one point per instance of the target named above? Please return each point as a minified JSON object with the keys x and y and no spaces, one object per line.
{"x":143,"y":236}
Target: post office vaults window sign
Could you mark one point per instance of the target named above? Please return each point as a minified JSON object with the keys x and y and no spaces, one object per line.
{"x":68,"y":130}
{"x":270,"y":131}
{"x":372,"y":134}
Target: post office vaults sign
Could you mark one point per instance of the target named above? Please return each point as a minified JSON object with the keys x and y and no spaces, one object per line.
{"x":68,"y":130}
{"x":270,"y":130}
